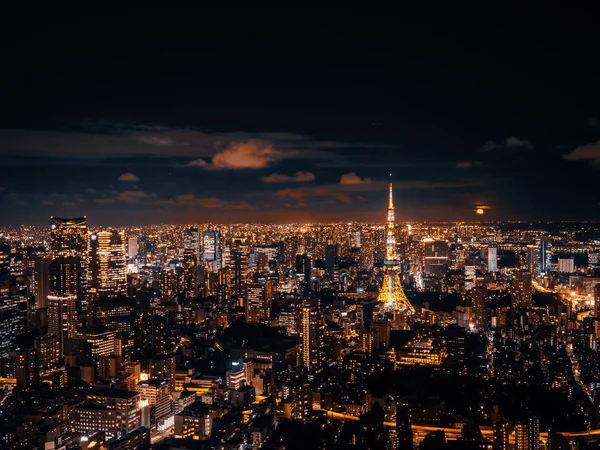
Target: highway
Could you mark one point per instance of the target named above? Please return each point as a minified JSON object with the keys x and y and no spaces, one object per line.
{"x":420,"y":431}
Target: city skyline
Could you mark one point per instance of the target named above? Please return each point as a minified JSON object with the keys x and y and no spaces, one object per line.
{"x":227,"y":123}
{"x":297,"y":229}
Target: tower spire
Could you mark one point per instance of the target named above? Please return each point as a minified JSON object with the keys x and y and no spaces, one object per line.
{"x":391,"y":201}
{"x":391,"y":294}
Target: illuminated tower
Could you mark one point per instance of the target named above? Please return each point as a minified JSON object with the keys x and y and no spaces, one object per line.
{"x":391,"y":293}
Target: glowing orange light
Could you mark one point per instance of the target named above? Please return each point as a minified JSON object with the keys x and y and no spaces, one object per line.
{"x":479,"y":211}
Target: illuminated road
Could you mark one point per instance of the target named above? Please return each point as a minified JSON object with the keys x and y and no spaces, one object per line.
{"x":453,"y":433}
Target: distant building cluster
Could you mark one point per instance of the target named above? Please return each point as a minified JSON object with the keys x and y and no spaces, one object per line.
{"x":391,"y":336}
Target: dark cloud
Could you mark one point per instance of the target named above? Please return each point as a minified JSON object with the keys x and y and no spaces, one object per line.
{"x":128,"y":176}
{"x":510,"y":143}
{"x":587,"y":152}
{"x":280,"y":178}
{"x":352,"y":178}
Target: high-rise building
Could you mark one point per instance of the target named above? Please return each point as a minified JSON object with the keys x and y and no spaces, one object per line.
{"x":260,"y":298}
{"x":240,"y":264}
{"x":597,"y":301}
{"x":331,"y":256}
{"x":67,"y":277}
{"x":163,"y":367}
{"x":191,"y":241}
{"x":492,"y":258}
{"x":566,"y":265}
{"x":502,"y":436}
{"x":25,"y":367}
{"x":194,"y":422}
{"x":235,"y":378}
{"x":69,"y":239}
{"x":310,"y":333}
{"x":41,"y":281}
{"x":125,"y":403}
{"x":533,"y":431}
{"x":521,"y":436}
{"x":189,"y":276}
{"x":62,"y":317}
{"x":212,"y":250}
{"x":101,"y":341}
{"x":48,"y":352}
{"x":265,"y":257}
{"x":544,"y":245}
{"x":12,"y":322}
{"x":521,"y":288}
{"x":381,"y":334}
{"x":301,"y":394}
{"x":391,"y":293}
{"x":108,"y":264}
{"x":436,"y":257}
{"x":156,"y":392}
{"x":304,"y":271}
{"x":404,"y":434}
{"x":532,"y":264}
{"x":132,"y":247}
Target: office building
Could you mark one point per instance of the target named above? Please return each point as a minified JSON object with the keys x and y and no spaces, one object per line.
{"x":492,"y":258}
{"x":108,"y":264}
{"x":436,"y":257}
{"x":566,"y":265}
{"x":189,"y":274}
{"x":240,"y":264}
{"x":260,"y":298}
{"x":194,"y":422}
{"x":132,"y":247}
{"x":69,"y":239}
{"x":544,"y":245}
{"x":191,"y":241}
{"x":48,"y":352}
{"x":212,"y":250}
{"x":310,"y":334}
{"x":156,"y":392}
{"x":62,"y":317}
{"x":331,"y":257}
{"x":521,"y":288}
{"x":125,"y":403}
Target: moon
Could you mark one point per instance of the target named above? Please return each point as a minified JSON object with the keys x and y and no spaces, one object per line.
{"x":479,"y":211}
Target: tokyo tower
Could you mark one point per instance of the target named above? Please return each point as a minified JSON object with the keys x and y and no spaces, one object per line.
{"x":391,"y":294}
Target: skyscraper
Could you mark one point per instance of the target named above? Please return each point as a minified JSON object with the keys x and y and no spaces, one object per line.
{"x":191,"y":241}
{"x":492,"y":258}
{"x":310,"y":331}
{"x":260,"y":297}
{"x":436,"y":257}
{"x":108,"y":264}
{"x":69,"y":239}
{"x":240,"y":263}
{"x":521,"y":288}
{"x":62,"y":317}
{"x":212,"y":250}
{"x":189,"y":268}
{"x":66,"y":276}
{"x":331,"y":256}
{"x":391,"y":293}
{"x":544,"y":254}
{"x":132,"y":247}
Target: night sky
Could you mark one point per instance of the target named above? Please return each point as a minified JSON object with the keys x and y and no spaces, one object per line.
{"x":294,"y":115}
